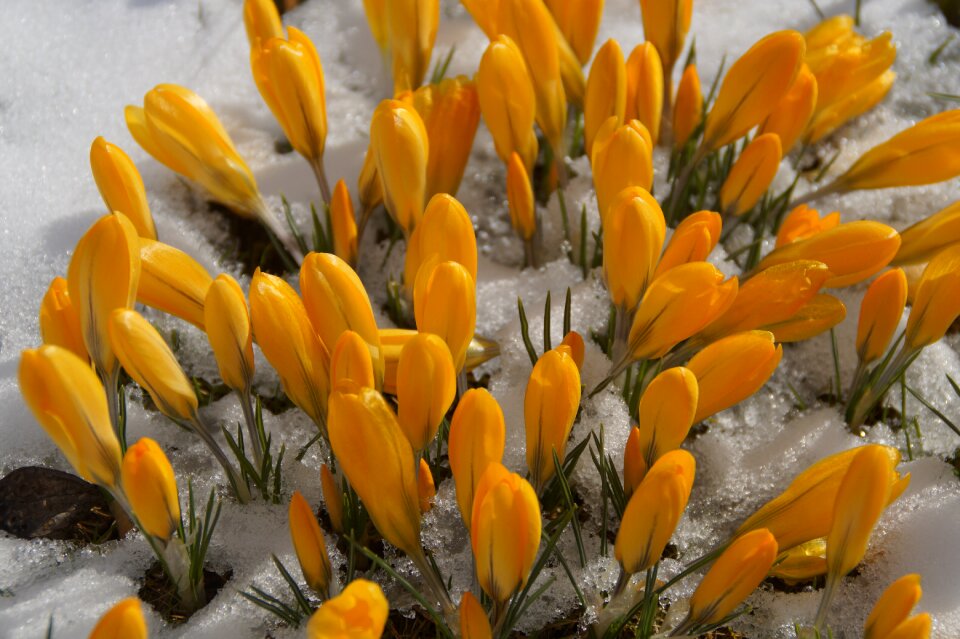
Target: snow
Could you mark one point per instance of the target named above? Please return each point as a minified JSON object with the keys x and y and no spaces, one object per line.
{"x":69,"y":68}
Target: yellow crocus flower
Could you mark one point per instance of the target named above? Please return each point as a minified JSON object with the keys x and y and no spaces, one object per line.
{"x":667,"y":408}
{"x":359,"y":612}
{"x":688,"y":107}
{"x":67,"y":399}
{"x":804,"y":222}
{"x":751,"y":175}
{"x":376,"y":12}
{"x":173,"y":282}
{"x":634,"y":230}
{"x":445,"y":304}
{"x":60,"y":319}
{"x":476,"y":439}
{"x":392,"y":341}
{"x":523,"y":208}
{"x":505,"y":531}
{"x":653,"y":511}
{"x":820,"y":314}
{"x":309,"y":545}
{"x":151,"y":489}
{"x":351,"y":360}
{"x":411,"y":31}
{"x":665,"y":24}
{"x":574,"y":341}
{"x":578,"y":21}
{"x":622,"y":157}
{"x":893,"y":607}
{"x":692,"y":241}
{"x":123,"y":621}
{"x":121,"y":186}
{"x":343,"y":224}
{"x":451,"y":113}
{"x":426,"y":386}
{"x":916,"y":627}
{"x":634,"y":462}
{"x":826,"y":121}
{"x":550,"y":405}
{"x":227,"y":322}
{"x":369,"y":188}
{"x":789,"y":119}
{"x":401,"y":147}
{"x":426,"y":489}
{"x":473,"y":619}
{"x":937,"y":302}
{"x":929,"y":236}
{"x":262,"y":21}
{"x":880,"y":313}
{"x":606,"y":94}
{"x":445,"y":233}
{"x":803,"y":562}
{"x":332,"y":498}
{"x":645,"y":88}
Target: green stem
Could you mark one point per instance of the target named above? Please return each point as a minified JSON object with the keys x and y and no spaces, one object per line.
{"x":236,"y":481}
{"x":251,"y":421}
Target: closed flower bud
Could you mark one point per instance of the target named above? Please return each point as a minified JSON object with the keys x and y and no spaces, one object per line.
{"x":103,"y":275}
{"x":444,"y":233}
{"x":929,"y":236}
{"x":804,"y":222}
{"x":227,"y":321}
{"x":508,"y":101}
{"x":350,"y":360}
{"x":578,"y":22}
{"x":332,"y":498}
{"x":820,"y":314}
{"x":606,"y":91}
{"x":393,"y":340}
{"x":622,"y":157}
{"x":123,"y":621}
{"x":426,"y":490}
{"x":666,"y":411}
{"x":289,"y":77}
{"x":654,"y":511}
{"x":60,"y":319}
{"x":736,"y":573}
{"x":309,"y":545}
{"x":473,"y":619}
{"x":445,"y":304}
{"x":916,"y":627}
{"x":802,"y":563}
{"x":173,"y":282}
{"x":634,"y":461}
{"x":145,"y":356}
{"x":880,"y":313}
{"x":451,"y":114}
{"x":376,"y":12}
{"x":574,"y":341}
{"x":121,"y":186}
{"x":359,"y":612}
{"x":826,"y":121}
{"x":343,"y":224}
{"x":290,"y":343}
{"x":692,"y":241}
{"x":151,"y":489}
{"x":937,"y":302}
{"x":523,"y":208}
{"x":677,"y":305}
{"x":505,"y":531}
{"x":634,"y":229}
{"x":476,"y":440}
{"x":732,"y":369}
{"x":369,"y":188}
{"x":336,"y":301}
{"x":665,"y":24}
{"x":688,"y":107}
{"x":753,"y":87}
{"x":411,"y":29}
{"x":378,"y":462}
{"x":645,"y":87}
{"x":893,"y":607}
{"x":853,"y":251}
{"x":67,"y":399}
{"x":550,"y":405}
{"x":401,"y":146}
{"x":751,"y":175}
{"x":426,"y":386}
{"x":262,"y":21}
{"x":790,"y":117}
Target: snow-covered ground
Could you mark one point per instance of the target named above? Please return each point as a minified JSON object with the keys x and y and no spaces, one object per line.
{"x":70,"y":66}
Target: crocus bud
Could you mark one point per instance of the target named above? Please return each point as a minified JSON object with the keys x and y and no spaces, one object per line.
{"x":688,"y":107}
{"x":606,"y":91}
{"x":692,"y":241}
{"x":826,"y":121}
{"x":369,"y":188}
{"x":653,"y":511}
{"x":880,"y":313}
{"x":678,"y":304}
{"x":929,"y":236}
{"x":634,"y":462}
{"x":426,"y":490}
{"x":262,"y":21}
{"x":634,"y":229}
{"x":426,"y":386}
{"x":622,"y":157}
{"x":376,"y":12}
{"x":67,"y":399}
{"x":803,"y":562}
{"x":853,"y":251}
{"x":173,"y":282}
{"x":227,"y":321}
{"x":411,"y":30}
{"x":666,"y":411}
{"x":123,"y":621}
{"x":332,"y":498}
{"x":289,"y":77}
{"x":790,"y":117}
{"x":121,"y":186}
{"x":523,"y":208}
{"x":401,"y":147}
{"x":473,"y":620}
{"x":393,"y":340}
{"x":343,"y":224}
{"x":476,"y":439}
{"x":820,"y":314}
{"x":732,"y":369}
{"x":289,"y":342}
{"x":351,"y":360}
{"x":665,"y":24}
{"x":893,"y":607}
{"x":445,"y":304}
{"x":336,"y":301}
{"x":60,"y":319}
{"x":916,"y":627}
{"x":736,"y":573}
{"x":378,"y":461}
{"x":804,"y":222}
{"x":309,"y":545}
{"x":151,"y":488}
{"x":145,"y":356}
{"x":574,"y":341}
{"x":751,"y":175}
{"x":937,"y":302}
{"x":578,"y":22}
{"x":550,"y":405}
{"x":753,"y":87}
{"x":645,"y":87}
{"x":505,"y":531}
{"x":451,"y":114}
{"x":360,"y":612}
{"x":507,"y":101}
{"x":103,"y":275}
{"x":446,"y":233}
